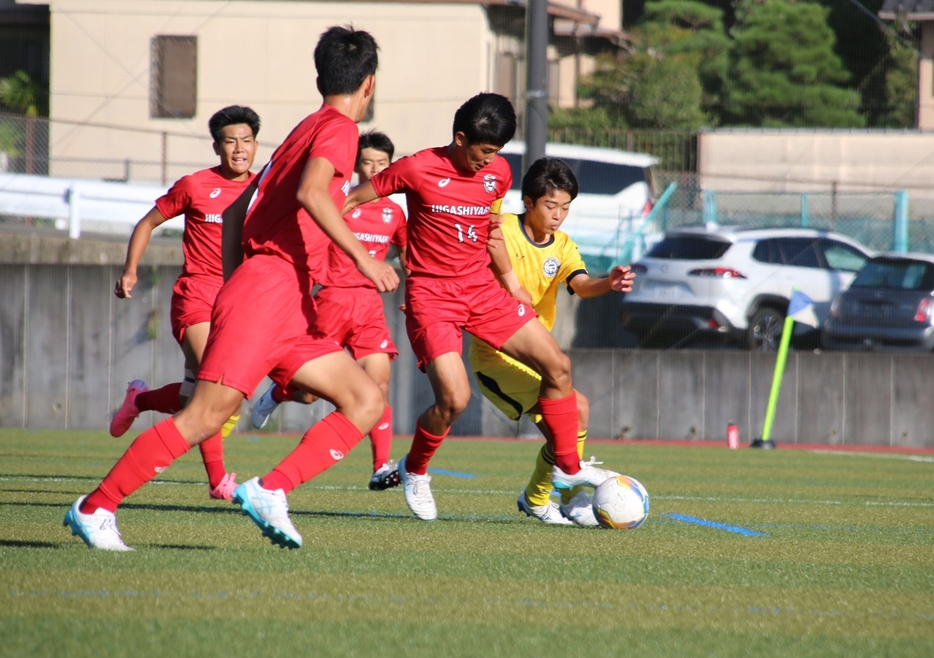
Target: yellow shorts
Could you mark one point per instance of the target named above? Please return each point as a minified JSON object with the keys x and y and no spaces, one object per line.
{"x":513,"y":387}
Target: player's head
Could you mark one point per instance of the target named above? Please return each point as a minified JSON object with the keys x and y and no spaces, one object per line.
{"x":234,"y":130}
{"x":374,"y":153}
{"x":482,"y":126}
{"x":548,"y":188}
{"x":346,"y":62}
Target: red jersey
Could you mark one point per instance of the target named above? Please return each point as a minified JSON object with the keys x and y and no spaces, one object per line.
{"x":449,"y":210}
{"x":202,"y":197}
{"x":276,"y":223}
{"x":377,"y":225}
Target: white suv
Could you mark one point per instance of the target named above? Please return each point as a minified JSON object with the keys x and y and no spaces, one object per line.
{"x":736,"y":282}
{"x":616,"y":193}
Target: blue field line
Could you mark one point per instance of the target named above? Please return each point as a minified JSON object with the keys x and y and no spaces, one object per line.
{"x":441,"y":471}
{"x":718,"y":526}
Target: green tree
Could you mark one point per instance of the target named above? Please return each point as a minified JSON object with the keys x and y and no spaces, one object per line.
{"x":784,"y":71}
{"x":21,"y":93}
{"x":901,"y":86}
{"x":666,"y":93}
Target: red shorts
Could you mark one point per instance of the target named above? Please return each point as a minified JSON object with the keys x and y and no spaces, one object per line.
{"x":192,"y":301}
{"x":436,"y":309}
{"x":354,"y":317}
{"x":263,"y":323}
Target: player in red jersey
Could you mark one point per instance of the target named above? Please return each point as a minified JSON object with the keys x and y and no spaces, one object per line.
{"x":202,"y":197}
{"x":350,"y":309}
{"x":452,"y":192}
{"x":264,"y":316}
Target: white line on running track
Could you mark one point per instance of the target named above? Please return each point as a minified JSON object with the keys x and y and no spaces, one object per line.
{"x":878,"y":455}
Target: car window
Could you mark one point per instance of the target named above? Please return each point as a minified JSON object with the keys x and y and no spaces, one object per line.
{"x":689,"y":248}
{"x":766,"y":251}
{"x":897,"y":274}
{"x":798,"y":252}
{"x":840,"y":256}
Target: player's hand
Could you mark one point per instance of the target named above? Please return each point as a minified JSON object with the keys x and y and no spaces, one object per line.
{"x":383,"y":275}
{"x":124,"y":285}
{"x":621,"y":278}
{"x":402,"y":307}
{"x":523,"y":296}
{"x":493,"y":241}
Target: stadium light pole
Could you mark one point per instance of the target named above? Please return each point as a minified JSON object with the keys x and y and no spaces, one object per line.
{"x":536,"y":94}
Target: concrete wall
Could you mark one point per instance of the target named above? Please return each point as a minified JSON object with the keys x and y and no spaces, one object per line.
{"x":68,"y":347}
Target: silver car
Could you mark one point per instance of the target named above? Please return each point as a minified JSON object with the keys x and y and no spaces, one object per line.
{"x":889,"y":306}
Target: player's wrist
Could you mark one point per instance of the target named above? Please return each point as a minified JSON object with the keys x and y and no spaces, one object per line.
{"x":512,"y":281}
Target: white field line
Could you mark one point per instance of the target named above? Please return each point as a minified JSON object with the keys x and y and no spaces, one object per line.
{"x":877,"y":455}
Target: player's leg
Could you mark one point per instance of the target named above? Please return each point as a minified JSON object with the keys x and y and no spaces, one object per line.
{"x":534,"y":346}
{"x":92,"y":517}
{"x":385,"y":473}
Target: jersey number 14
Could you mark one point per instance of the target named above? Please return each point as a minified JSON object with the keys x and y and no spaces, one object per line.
{"x":471,"y":233}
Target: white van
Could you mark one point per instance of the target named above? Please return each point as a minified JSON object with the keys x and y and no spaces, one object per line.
{"x":616,"y":193}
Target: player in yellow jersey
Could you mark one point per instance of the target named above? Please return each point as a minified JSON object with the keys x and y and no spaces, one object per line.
{"x":542,"y":258}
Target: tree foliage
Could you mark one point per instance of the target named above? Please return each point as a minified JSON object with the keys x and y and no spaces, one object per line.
{"x":21,"y":93}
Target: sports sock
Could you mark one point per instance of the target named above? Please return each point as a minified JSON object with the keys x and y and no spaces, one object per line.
{"x":560,"y":417}
{"x":326,"y":443}
{"x":381,"y":439}
{"x":538,"y":491}
{"x":150,"y":454}
{"x":212,"y":454}
{"x":164,"y":400}
{"x":230,"y":425}
{"x":279,"y":395}
{"x":423,"y":447}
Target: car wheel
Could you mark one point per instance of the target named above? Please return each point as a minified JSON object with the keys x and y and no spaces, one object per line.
{"x":765,"y":329}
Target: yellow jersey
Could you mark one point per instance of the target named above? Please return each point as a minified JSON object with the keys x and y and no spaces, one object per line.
{"x":541,"y":268}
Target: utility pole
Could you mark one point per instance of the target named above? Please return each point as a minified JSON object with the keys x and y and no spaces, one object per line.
{"x":536,"y":95}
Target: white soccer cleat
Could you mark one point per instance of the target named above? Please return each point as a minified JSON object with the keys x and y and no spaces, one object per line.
{"x":417,"y":490}
{"x":270,"y":511}
{"x":588,"y":476}
{"x":98,"y":530}
{"x":263,"y":409}
{"x":549,"y":513}
{"x":580,"y":510}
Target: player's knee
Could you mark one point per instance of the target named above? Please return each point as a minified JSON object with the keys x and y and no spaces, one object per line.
{"x":453,"y":405}
{"x":559,"y":369}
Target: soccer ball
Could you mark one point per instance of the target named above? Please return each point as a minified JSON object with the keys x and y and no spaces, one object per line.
{"x":621,"y":502}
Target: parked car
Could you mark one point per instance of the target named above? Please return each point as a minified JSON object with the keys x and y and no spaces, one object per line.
{"x":617,"y":191}
{"x":737,"y":282}
{"x":889,"y":306}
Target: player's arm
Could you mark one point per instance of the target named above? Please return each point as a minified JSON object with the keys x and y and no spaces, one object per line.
{"x":314,"y":196}
{"x":139,"y":240}
{"x":502,"y":268}
{"x":232,"y":231}
{"x":619,"y":279}
{"x":359,"y":195}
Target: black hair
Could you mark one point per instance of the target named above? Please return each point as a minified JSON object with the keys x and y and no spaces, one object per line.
{"x":373,"y":139}
{"x":344,"y":57}
{"x":231,"y":116}
{"x":548,"y":175}
{"x":486,"y":119}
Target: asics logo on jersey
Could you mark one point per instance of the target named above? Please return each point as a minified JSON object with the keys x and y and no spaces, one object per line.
{"x":214,"y":218}
{"x":550,"y":266}
{"x":356,"y":213}
{"x":337,"y":455}
{"x":216,"y":192}
{"x":382,"y":346}
{"x":443,"y":182}
{"x":521,"y":310}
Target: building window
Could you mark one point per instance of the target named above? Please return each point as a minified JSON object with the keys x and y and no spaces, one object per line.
{"x":174,"y":93}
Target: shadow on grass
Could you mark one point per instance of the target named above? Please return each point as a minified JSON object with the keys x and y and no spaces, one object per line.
{"x":16,"y":543}
{"x":181,"y":547}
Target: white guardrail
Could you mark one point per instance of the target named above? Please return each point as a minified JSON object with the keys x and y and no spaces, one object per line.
{"x":108,"y":207}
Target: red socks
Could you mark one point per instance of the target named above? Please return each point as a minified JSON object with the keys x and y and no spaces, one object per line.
{"x":150,"y":454}
{"x":423,"y":447}
{"x":326,"y":443}
{"x":164,"y":400}
{"x":381,"y":439}
{"x":212,"y":454}
{"x":560,"y":417}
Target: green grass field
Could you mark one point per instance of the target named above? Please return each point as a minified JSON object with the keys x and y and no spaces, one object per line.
{"x":843,"y":564}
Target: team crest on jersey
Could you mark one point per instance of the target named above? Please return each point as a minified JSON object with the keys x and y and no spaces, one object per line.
{"x":216,"y":192}
{"x":489,"y":183}
{"x":356,"y":213}
{"x":550,"y":266}
{"x":387,"y":215}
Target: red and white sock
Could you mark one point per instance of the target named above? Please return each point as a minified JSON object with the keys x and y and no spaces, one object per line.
{"x":151,"y":453}
{"x":423,"y":448}
{"x":212,"y":454}
{"x":164,"y":400}
{"x":326,"y":443}
{"x":560,"y":417}
{"x":381,"y":439}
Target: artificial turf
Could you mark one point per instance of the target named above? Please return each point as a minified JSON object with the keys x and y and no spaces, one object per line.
{"x":840,"y":562}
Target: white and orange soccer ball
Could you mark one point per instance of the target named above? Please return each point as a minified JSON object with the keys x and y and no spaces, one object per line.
{"x":621,"y":502}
